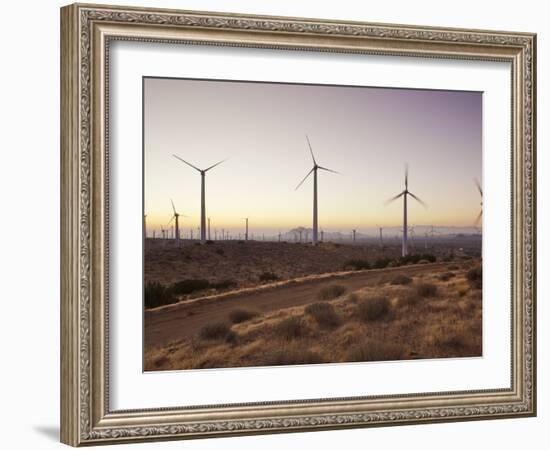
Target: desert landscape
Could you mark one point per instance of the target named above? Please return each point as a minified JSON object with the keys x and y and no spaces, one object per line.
{"x":292,"y":229}
{"x":336,"y":304}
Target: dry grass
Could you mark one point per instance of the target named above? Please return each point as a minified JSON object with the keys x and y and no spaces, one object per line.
{"x":324,"y":313}
{"x":400,"y":279}
{"x":426,"y":289}
{"x":242,"y":315}
{"x":214,"y":331}
{"x":475,"y":277}
{"x":375,"y":350}
{"x":430,"y":318}
{"x":331,"y":292}
{"x":292,"y":355}
{"x":374,"y":308}
{"x":291,"y":328}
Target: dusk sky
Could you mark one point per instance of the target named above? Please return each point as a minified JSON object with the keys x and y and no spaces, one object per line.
{"x":366,"y":134}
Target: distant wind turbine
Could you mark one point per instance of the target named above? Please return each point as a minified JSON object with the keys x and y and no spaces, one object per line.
{"x":203,"y":204}
{"x":478,"y":218}
{"x":314,"y":171}
{"x":381,"y":238}
{"x":176,"y":216}
{"x":404,"y":194}
{"x":246,"y":229}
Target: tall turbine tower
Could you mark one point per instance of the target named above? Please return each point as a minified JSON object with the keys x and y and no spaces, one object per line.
{"x":314,"y":170}
{"x":246,"y":229}
{"x":404,"y":194}
{"x":203,"y":203}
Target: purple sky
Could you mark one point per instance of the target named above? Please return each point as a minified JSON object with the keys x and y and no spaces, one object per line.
{"x":366,"y":134}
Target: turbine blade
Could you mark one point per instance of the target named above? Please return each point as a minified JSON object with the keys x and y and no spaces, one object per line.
{"x":173,"y":207}
{"x":301,"y":182}
{"x":387,"y":202}
{"x":478,"y":218}
{"x":328,"y":170}
{"x":189,"y":164}
{"x":406,"y":175}
{"x":217,"y":164}
{"x":170,"y":220}
{"x":478,"y":184}
{"x":311,"y":150}
{"x":418,"y":200}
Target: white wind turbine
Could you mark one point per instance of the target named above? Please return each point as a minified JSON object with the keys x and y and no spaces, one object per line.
{"x":176,"y":216}
{"x":381,"y":238}
{"x":314,"y":171}
{"x":478,"y":218}
{"x":203,"y":201}
{"x":404,"y":194}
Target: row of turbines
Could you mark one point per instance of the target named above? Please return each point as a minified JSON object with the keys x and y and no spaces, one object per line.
{"x":315,"y":228}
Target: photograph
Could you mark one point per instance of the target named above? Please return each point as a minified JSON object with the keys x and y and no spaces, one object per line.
{"x":288,"y":224}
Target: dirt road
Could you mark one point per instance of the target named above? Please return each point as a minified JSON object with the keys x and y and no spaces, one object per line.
{"x":177,"y":322}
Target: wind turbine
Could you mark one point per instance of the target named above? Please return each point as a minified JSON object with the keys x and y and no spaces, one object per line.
{"x":478,"y":218}
{"x":203,"y":204}
{"x":404,"y":194}
{"x":246,"y":229}
{"x":381,"y":239}
{"x":314,"y":171}
{"x":176,"y":216}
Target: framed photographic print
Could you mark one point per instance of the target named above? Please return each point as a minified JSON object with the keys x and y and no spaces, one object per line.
{"x":275,"y":224}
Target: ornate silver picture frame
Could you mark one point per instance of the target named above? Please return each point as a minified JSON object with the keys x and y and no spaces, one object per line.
{"x":87,"y":32}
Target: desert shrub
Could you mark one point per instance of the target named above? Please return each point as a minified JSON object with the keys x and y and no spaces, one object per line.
{"x":353,"y":298}
{"x":453,"y":267}
{"x":268,"y":276}
{"x":374,"y":350}
{"x":426,"y":289}
{"x":156,"y":294}
{"x":416,"y":258}
{"x":291,"y":356}
{"x":331,"y":291}
{"x":475,"y":277}
{"x":357,"y":264}
{"x":428,"y":257}
{"x":374,"y":308}
{"x":446,"y":276}
{"x":215,"y":331}
{"x":242,"y":315}
{"x":231,"y":337}
{"x":291,"y":328}
{"x":324,"y":314}
{"x":224,"y":284}
{"x":400,"y":279}
{"x":209,"y":242}
{"x":409,"y":298}
{"x":188,"y":286}
{"x":160,"y":361}
{"x":381,"y":263}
